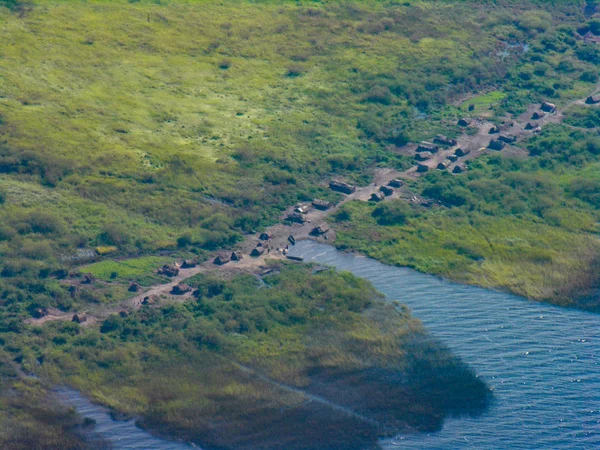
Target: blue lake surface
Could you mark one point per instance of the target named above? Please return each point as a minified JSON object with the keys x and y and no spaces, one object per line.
{"x":541,"y":361}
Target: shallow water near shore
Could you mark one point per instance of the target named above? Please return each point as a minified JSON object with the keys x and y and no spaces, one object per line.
{"x":541,"y":361}
{"x":121,"y":434}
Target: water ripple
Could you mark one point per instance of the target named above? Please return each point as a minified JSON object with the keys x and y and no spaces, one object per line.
{"x":541,"y":361}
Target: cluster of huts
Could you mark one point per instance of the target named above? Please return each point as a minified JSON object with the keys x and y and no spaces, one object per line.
{"x":386,"y":191}
{"x":426,"y":150}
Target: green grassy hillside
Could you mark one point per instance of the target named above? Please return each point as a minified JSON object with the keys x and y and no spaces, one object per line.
{"x":143,"y":126}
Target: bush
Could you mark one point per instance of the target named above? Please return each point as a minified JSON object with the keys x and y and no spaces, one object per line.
{"x":587,"y":190}
{"x":114,"y":234}
{"x":41,"y":222}
{"x":394,"y":212}
{"x":295,"y":70}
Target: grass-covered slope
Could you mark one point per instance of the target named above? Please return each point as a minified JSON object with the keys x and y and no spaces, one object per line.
{"x":137,"y":126}
{"x":295,"y":360}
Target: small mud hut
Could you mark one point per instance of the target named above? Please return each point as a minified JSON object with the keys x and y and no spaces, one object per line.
{"x":427,"y":147}
{"x":460,"y":152}
{"x":341,"y":186}
{"x":443,"y":140}
{"x":464,"y":122}
{"x":423,"y":156}
{"x":258,"y":251}
{"x":396,"y":183}
{"x":548,"y":107}
{"x":134,"y":287}
{"x":296,"y":218}
{"x":507,"y":138}
{"x":422,"y":168}
{"x":265,"y":236}
{"x":236,"y":256}
{"x":377,"y":197}
{"x":496,"y":144}
{"x":150,"y":300}
{"x":386,"y":190}
{"x":169,"y":270}
{"x":189,"y":264}
{"x":222,"y":258}
{"x":321,"y":204}
{"x":181,"y":289}
{"x":320,"y":230}
{"x":79,"y":318}
{"x":538,"y":115}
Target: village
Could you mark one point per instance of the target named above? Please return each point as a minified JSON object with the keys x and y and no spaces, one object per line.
{"x":309,"y":220}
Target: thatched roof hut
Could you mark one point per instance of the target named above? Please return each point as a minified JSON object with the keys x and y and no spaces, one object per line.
{"x":341,"y":186}
{"x":396,"y":183}
{"x":530,"y":126}
{"x":442,"y":165}
{"x":459,"y":168}
{"x":421,"y":168}
{"x":386,"y":190}
{"x":265,"y":236}
{"x":79,"y":318}
{"x":460,"y":152}
{"x":377,"y":197}
{"x":427,"y":147}
{"x":508,"y":138}
{"x":496,"y":144}
{"x":296,"y":218}
{"x":321,"y":204}
{"x":181,"y":289}
{"x":464,"y":122}
{"x":149,"y":300}
{"x":169,"y":270}
{"x":222,"y":258}
{"x":302,"y":209}
{"x":189,"y":264}
{"x":236,"y":256}
{"x":548,"y":107}
{"x":423,"y":156}
{"x":134,"y":287}
{"x":258,"y":251}
{"x":319,"y":230}
{"x":538,"y":115}
{"x":443,"y":140}
{"x":453,"y":158}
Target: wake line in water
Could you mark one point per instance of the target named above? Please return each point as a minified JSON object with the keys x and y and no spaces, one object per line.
{"x":314,"y":398}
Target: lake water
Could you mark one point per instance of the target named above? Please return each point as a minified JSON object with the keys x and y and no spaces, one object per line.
{"x":541,"y":361}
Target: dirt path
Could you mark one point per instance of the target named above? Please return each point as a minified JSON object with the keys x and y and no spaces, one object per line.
{"x":476,"y":144}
